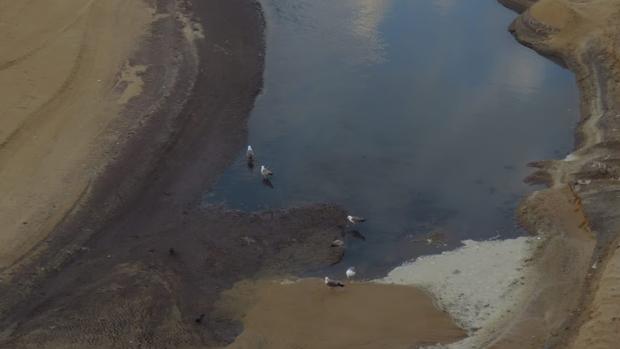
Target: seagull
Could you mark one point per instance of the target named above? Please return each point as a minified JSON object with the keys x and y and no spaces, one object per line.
{"x":250,"y":156}
{"x":265,"y":172}
{"x":337,"y":243}
{"x":355,"y":220}
{"x":351,"y":272}
{"x":333,"y":283}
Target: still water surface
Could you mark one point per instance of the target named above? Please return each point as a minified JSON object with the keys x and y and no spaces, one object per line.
{"x":420,"y":115}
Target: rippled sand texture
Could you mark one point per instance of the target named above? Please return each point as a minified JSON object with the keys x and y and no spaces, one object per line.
{"x":59,"y":89}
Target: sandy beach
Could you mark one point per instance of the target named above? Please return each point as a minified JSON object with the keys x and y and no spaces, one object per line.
{"x":306,"y":314}
{"x":59,"y":104}
{"x":117,"y":115}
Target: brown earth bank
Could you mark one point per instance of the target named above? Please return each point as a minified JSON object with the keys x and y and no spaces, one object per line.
{"x":575,"y":304}
{"x":110,"y":248}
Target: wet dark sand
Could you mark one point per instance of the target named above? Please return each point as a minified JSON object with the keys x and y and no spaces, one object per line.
{"x":133,"y":290}
{"x":106,"y":276}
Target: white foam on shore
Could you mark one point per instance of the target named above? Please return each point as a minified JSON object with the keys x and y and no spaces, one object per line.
{"x":478,"y":284}
{"x":571,"y":157}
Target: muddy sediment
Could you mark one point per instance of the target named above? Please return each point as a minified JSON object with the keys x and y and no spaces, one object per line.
{"x":137,"y":258}
{"x":147,"y":288}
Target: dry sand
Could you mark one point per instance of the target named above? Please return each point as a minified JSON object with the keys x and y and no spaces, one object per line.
{"x":58,"y":80}
{"x":307,"y":314}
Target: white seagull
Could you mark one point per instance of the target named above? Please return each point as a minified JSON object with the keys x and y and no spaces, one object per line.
{"x":249,"y":155}
{"x":351,"y":272}
{"x":333,"y":283}
{"x":355,"y":220}
{"x":337,"y":243}
{"x":265,"y":172}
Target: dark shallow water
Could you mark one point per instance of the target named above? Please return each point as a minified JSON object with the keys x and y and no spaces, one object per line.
{"x":419,"y":115}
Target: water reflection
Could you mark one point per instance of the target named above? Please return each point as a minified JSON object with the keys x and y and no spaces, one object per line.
{"x":443,"y":7}
{"x":365,"y":25}
{"x":343,"y":29}
{"x":418,"y":115}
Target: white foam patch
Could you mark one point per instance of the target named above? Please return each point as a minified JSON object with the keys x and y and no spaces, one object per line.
{"x":477,"y":284}
{"x":571,"y":157}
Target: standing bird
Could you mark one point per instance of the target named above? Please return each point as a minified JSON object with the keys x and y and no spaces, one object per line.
{"x":337,"y":243}
{"x":265,"y":172}
{"x":333,"y":283}
{"x":355,"y":220}
{"x":250,"y":156}
{"x":351,"y":272}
